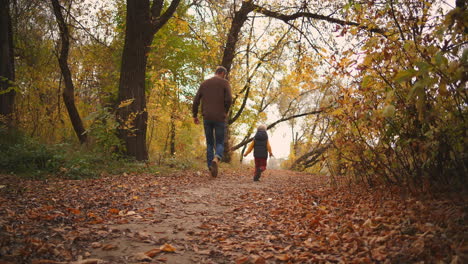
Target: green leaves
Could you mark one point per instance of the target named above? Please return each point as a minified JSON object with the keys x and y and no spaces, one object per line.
{"x":405,"y":75}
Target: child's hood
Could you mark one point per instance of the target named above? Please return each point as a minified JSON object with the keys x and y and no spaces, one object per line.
{"x":261,"y":135}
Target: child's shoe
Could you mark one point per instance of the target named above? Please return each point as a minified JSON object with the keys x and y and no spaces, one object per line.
{"x":258,"y":172}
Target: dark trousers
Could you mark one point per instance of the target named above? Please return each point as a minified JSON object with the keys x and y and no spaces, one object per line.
{"x":214,"y":134}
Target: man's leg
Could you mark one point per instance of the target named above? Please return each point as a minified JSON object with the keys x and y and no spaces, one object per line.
{"x":220,"y":130}
{"x":208,"y":125}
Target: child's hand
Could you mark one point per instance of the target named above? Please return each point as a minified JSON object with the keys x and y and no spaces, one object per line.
{"x":245,"y":155}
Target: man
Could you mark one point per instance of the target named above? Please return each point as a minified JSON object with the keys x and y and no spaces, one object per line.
{"x":215,"y":96}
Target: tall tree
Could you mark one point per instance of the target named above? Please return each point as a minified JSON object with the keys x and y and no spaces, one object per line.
{"x":144,"y":19}
{"x":7,"y":66}
{"x":69,"y":90}
{"x":239,"y":19}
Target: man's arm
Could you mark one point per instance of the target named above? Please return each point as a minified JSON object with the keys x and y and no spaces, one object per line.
{"x":227,"y":98}
{"x":195,"y":105}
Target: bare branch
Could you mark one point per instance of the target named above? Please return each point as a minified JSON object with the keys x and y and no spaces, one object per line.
{"x":287,"y":18}
{"x":276,"y":123}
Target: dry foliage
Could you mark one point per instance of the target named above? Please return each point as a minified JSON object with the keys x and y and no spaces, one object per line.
{"x":187,"y":217}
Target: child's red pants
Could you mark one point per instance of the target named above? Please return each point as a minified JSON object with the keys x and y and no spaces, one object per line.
{"x":260,"y":164}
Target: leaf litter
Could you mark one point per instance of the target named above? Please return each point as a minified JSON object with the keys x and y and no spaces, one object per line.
{"x":187,"y":217}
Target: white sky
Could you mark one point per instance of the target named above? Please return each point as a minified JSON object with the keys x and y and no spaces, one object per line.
{"x":280,"y":139}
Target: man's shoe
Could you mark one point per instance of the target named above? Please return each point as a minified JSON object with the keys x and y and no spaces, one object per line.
{"x":214,"y":167}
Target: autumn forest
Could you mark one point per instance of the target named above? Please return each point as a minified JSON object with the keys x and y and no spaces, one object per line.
{"x":101,"y":160}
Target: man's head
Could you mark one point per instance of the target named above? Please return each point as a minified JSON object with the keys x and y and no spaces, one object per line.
{"x":221,"y":72}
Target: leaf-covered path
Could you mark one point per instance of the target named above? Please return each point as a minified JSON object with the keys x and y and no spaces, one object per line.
{"x":187,"y":217}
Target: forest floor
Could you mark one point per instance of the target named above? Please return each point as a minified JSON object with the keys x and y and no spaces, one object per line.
{"x":189,"y":217}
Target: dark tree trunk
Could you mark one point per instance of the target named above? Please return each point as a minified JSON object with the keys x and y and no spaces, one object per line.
{"x":132,"y":79}
{"x":7,"y":66}
{"x":238,"y":21}
{"x":69,"y":90}
{"x":142,"y":22}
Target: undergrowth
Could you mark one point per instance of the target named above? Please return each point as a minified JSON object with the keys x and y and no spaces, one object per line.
{"x":27,"y":157}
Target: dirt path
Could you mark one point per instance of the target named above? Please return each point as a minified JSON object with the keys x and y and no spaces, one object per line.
{"x":188,"y":217}
{"x":193,"y":220}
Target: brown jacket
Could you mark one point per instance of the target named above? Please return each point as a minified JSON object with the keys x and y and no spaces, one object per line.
{"x":215,"y":96}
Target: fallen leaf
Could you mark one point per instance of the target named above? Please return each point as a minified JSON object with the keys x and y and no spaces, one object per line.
{"x":167,"y":248}
{"x":96,"y":245}
{"x":109,"y":247}
{"x":152,"y":253}
{"x":114,"y":211}
{"x":243,"y":260}
{"x":283,"y":257}
{"x":89,"y":261}
{"x":378,"y":253}
{"x":258,"y":260}
{"x":204,"y":252}
{"x":142,"y":257}
{"x":74,"y":211}
{"x":45,"y":261}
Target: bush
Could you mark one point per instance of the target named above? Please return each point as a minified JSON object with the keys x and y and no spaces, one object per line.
{"x":22,"y":154}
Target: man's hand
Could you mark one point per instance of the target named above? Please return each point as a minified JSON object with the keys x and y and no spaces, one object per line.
{"x":196,"y":121}
{"x":271,"y":155}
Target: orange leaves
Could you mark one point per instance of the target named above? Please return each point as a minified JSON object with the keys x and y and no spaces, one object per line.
{"x":114,"y":211}
{"x":109,"y":247}
{"x":152,"y":253}
{"x":253,"y":259}
{"x":291,"y":218}
{"x":74,"y":211}
{"x":167,"y":248}
{"x":283,"y":257}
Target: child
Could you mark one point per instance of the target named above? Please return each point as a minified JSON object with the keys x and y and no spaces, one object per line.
{"x":261,"y":148}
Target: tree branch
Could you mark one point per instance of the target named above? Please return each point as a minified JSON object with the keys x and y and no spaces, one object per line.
{"x":156,"y":8}
{"x":160,"y":21}
{"x":276,"y":123}
{"x":287,"y":18}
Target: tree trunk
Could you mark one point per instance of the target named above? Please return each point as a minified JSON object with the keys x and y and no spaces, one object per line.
{"x":233,"y":36}
{"x":133,"y":118}
{"x":142,"y":23}
{"x":69,"y":90}
{"x":238,"y":21}
{"x":7,"y":66}
{"x":173,"y":135}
